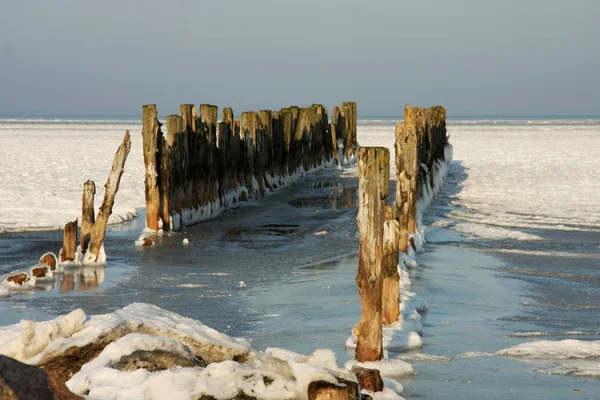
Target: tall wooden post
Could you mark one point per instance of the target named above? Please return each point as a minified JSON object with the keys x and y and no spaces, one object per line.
{"x":87,"y":214}
{"x":112,"y":186}
{"x":192,"y":145}
{"x":349,"y":112}
{"x":391,"y":279}
{"x":208,"y":135}
{"x":151,"y":136}
{"x":249,"y":124}
{"x":373,"y":182}
{"x":171,"y":167}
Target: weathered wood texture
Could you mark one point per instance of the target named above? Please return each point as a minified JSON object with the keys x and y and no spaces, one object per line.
{"x":152,"y":138}
{"x":87,"y":214}
{"x":204,"y":165}
{"x":420,"y":142}
{"x":373,"y":181}
{"x":111,"y":188}
{"x":69,"y":247}
{"x":390,"y":296}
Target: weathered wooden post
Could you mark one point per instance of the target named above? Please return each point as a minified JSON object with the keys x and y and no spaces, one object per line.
{"x":278,"y":145}
{"x":152,"y":137}
{"x":349,"y":112}
{"x":87,"y":214}
{"x":69,"y":247}
{"x":249,"y":123}
{"x":407,"y":172}
{"x":188,"y":115}
{"x":171,"y":174}
{"x":112,"y":186}
{"x":390,"y":296}
{"x":208,"y":134}
{"x":373,"y":181}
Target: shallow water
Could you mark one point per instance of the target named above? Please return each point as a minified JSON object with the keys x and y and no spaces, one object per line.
{"x":283,"y":275}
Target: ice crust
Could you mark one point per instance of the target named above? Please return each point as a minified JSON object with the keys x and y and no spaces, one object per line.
{"x":272,"y":374}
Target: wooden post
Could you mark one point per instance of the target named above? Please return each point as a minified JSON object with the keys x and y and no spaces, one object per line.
{"x":151,"y":136}
{"x":407,"y":172}
{"x":391,"y":292}
{"x":249,"y":123}
{"x":112,"y":186}
{"x":278,"y":144}
{"x":69,"y":247}
{"x":171,"y":179}
{"x":266,"y":146}
{"x":301,"y":142}
{"x":373,"y":183}
{"x":208,"y":133}
{"x":288,"y":134}
{"x":188,"y":115}
{"x":349,"y":112}
{"x":87,"y":214}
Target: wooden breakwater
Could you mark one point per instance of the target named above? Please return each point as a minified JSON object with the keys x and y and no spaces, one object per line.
{"x":420,"y":145}
{"x":203,"y":165}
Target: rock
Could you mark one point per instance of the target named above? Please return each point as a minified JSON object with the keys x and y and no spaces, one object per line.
{"x":19,"y":279}
{"x":147,"y":242}
{"x":20,"y":381}
{"x":323,"y":390}
{"x":50,"y":260}
{"x":368,"y":379}
{"x":39,"y":272}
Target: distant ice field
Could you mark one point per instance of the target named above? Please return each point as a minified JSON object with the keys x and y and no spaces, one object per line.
{"x":510,"y":178}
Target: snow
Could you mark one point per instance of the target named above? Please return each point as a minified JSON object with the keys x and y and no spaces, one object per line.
{"x":589,"y":369}
{"x":27,"y":339}
{"x":48,"y":195}
{"x":548,"y":349}
{"x":93,"y":371}
{"x":385,"y":394}
{"x":272,"y":374}
{"x":130,"y":319}
{"x":394,"y":339}
{"x":4,"y":292}
{"x":393,"y":385}
{"x":390,"y":368}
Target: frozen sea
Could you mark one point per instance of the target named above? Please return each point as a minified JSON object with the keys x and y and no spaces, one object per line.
{"x":513,"y":252}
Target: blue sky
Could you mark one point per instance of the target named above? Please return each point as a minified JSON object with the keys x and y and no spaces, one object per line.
{"x":477,"y":58}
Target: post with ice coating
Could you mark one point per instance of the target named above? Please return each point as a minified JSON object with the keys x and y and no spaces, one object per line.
{"x":390,"y":297}
{"x":373,"y":182}
{"x":152,"y":137}
{"x":87,"y":214}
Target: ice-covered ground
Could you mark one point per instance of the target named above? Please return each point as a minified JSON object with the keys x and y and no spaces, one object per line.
{"x":44,"y":164}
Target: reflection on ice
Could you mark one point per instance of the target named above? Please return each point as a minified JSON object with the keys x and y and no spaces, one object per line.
{"x":81,"y":278}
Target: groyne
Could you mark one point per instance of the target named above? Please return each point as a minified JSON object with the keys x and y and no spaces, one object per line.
{"x":203,"y":165}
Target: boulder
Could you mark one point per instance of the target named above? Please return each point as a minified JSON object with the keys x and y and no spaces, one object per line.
{"x":20,"y":381}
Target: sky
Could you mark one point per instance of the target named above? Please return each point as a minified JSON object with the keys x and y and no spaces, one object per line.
{"x":476,"y":58}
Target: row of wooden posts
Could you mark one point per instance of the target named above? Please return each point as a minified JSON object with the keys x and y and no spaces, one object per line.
{"x":384,"y":230}
{"x":203,"y":164}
